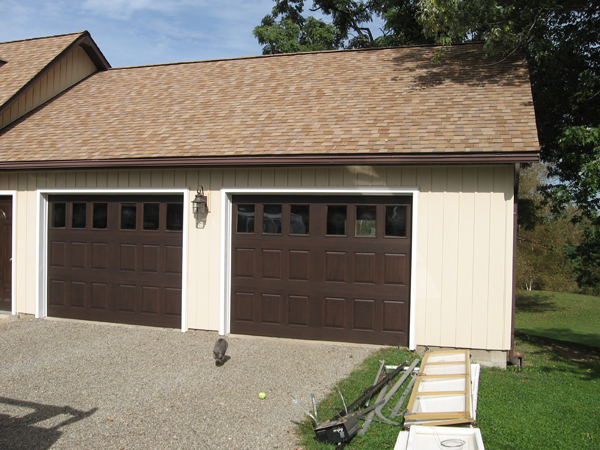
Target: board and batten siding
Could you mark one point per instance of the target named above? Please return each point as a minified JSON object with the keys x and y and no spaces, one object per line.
{"x":74,"y":67}
{"x":464,"y":242}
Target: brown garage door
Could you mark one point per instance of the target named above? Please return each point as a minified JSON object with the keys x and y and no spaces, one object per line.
{"x":116,"y":258}
{"x":322,"y":267}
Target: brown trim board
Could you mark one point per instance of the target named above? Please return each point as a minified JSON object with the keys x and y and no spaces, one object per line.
{"x":287,"y":160}
{"x":511,"y":356}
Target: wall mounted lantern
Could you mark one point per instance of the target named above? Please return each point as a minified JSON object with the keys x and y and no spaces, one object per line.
{"x":199,"y":204}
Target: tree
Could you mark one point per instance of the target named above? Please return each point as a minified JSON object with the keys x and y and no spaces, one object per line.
{"x":561,"y":41}
{"x":286,"y":29}
{"x":544,"y":242}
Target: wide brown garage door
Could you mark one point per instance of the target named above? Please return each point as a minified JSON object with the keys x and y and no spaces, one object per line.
{"x":116,"y":258}
{"x":322,"y":267}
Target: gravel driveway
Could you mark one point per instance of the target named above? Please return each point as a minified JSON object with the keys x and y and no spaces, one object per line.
{"x":78,"y":385}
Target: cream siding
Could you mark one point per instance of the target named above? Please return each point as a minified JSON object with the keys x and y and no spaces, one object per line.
{"x":463,"y":249}
{"x":74,"y":67}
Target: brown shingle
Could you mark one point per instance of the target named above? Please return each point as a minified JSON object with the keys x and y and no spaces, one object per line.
{"x":379,"y":101}
{"x":26,"y":58}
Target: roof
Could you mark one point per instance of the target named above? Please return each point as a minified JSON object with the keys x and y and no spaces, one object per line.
{"x":27,"y":60}
{"x":324,"y":106}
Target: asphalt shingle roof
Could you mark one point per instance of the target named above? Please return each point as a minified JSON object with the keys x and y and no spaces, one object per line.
{"x":25,"y":59}
{"x":382,"y":101}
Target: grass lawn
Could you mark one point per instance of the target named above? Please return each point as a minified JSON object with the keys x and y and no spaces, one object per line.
{"x":566,"y":317}
{"x":553,"y":403}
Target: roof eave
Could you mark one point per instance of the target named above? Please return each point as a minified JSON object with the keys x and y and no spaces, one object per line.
{"x":286,"y":160}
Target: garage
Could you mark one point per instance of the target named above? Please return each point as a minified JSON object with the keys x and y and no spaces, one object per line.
{"x":322,"y":267}
{"x":116,"y":258}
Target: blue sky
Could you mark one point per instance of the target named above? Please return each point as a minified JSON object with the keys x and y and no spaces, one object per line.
{"x":137,"y":32}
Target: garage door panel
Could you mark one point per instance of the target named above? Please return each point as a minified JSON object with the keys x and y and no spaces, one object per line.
{"x":99,"y":298}
{"x":270,"y":308}
{"x":394,"y":316}
{"x":78,"y":254}
{"x":150,"y":299}
{"x":395,"y":268}
{"x":298,"y":310}
{"x":78,"y":294}
{"x":243,"y":307}
{"x":298,"y":264}
{"x":58,"y":254}
{"x":335,"y":266}
{"x":126,"y":299}
{"x":99,"y":255}
{"x":57,"y":293}
{"x":316,"y":286}
{"x":173,"y":301}
{"x":150,"y":258}
{"x":108,"y":273}
{"x":271,"y":263}
{"x":363,"y":314}
{"x":244,"y":262}
{"x":173,"y":259}
{"x":335,"y":312}
{"x":127,"y":257}
{"x":365,"y":265}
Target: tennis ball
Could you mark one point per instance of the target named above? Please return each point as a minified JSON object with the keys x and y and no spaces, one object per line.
{"x":262,"y":395}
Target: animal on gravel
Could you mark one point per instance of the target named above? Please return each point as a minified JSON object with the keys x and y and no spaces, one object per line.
{"x":219,"y":352}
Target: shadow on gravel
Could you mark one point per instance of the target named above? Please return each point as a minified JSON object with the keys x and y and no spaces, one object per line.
{"x":35,"y":426}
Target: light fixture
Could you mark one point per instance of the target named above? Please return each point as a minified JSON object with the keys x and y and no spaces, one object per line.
{"x":200,"y":202}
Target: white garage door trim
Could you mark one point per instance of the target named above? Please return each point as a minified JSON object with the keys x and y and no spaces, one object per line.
{"x":226,"y":227}
{"x":42,"y":241}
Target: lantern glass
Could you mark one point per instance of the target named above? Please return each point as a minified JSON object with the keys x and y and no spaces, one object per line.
{"x":199,"y":204}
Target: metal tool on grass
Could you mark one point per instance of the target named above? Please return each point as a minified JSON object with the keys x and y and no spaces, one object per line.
{"x":305,"y":410}
{"x":393,"y":391}
{"x":405,"y":394}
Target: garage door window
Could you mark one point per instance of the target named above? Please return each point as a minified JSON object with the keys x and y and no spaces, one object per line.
{"x":100,"y":216}
{"x":79,"y":213}
{"x":336,"y":220}
{"x":59,"y":215}
{"x":245,"y":219}
{"x":366,"y":220}
{"x":128,"y":216}
{"x":299,"y":219}
{"x":395,"y":221}
{"x":272,"y":219}
{"x":151,"y":216}
{"x":174,"y":217}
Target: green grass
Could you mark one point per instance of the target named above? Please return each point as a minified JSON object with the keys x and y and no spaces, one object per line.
{"x":553,"y":403}
{"x":566,"y":317}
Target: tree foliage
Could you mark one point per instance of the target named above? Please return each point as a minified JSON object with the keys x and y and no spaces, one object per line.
{"x":288,"y":29}
{"x":562,"y":42}
{"x":544,"y":242}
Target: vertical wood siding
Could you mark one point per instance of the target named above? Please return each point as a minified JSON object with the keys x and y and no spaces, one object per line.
{"x":74,"y":67}
{"x":464,"y":248}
